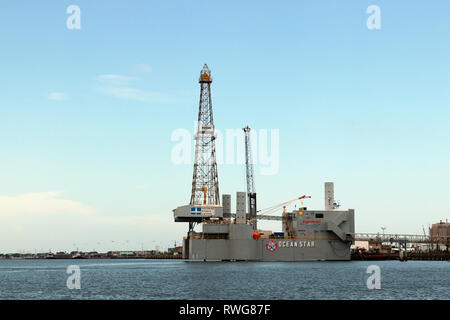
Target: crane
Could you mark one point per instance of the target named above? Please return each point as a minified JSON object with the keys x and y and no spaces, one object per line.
{"x":282,"y":205}
{"x":285,"y":218}
{"x":251,"y":191}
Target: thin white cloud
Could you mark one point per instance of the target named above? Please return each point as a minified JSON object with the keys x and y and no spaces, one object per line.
{"x":136,"y":94}
{"x":46,"y":221}
{"x":115,"y":79}
{"x":57,"y":96}
{"x":47,"y":203}
{"x":120,"y":87}
{"x":144,"y":68}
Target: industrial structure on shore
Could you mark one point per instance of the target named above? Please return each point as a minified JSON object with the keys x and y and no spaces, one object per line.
{"x":306,"y":234}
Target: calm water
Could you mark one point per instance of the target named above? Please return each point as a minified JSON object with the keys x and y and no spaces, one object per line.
{"x":174,"y":279}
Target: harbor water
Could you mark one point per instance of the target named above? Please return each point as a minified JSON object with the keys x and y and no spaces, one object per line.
{"x":178,"y":279}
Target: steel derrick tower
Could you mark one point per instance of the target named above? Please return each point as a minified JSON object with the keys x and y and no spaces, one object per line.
{"x":205,"y":181}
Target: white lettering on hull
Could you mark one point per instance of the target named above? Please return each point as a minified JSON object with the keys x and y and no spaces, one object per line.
{"x":296,"y":244}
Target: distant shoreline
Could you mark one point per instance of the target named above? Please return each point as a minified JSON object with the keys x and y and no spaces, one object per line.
{"x":93,"y":258}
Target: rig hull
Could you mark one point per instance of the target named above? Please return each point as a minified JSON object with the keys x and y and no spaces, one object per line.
{"x":267,"y":250}
{"x":307,"y":236}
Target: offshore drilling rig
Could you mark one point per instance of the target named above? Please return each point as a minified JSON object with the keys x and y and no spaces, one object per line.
{"x":227,"y":236}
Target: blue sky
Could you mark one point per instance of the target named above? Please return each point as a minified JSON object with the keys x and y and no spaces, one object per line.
{"x":86,"y":116}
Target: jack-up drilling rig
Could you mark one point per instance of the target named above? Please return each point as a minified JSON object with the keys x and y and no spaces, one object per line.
{"x":306,"y":234}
